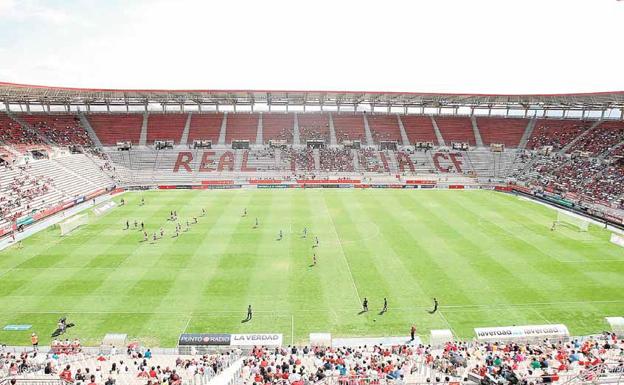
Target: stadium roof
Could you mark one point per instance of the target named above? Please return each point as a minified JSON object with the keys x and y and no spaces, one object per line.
{"x":28,"y":95}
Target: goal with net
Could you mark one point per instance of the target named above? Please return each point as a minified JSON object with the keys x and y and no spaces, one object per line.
{"x":576,"y":221}
{"x":73,"y":223}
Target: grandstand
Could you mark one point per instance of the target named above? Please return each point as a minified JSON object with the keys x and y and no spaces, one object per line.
{"x":53,"y":162}
{"x":595,"y":176}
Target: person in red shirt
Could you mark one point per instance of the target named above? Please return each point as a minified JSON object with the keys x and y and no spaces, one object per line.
{"x":66,"y":375}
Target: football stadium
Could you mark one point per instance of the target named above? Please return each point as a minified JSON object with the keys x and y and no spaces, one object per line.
{"x":205,"y":235}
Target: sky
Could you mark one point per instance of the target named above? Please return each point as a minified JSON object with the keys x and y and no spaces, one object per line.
{"x":463,"y":46}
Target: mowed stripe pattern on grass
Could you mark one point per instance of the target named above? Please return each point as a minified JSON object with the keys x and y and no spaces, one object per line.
{"x":489,"y":258}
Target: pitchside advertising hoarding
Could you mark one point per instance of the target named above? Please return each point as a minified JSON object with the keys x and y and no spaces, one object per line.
{"x":224,"y":339}
{"x":521,"y":332}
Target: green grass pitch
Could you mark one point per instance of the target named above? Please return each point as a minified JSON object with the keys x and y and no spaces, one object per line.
{"x":490,"y":259}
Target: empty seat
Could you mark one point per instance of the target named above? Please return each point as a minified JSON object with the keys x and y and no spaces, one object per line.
{"x":165,"y":127}
{"x":507,"y":131}
{"x":113,"y":128}
{"x":454,"y":129}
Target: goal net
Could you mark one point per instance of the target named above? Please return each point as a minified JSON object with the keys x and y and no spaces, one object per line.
{"x":576,"y":221}
{"x":73,"y":223}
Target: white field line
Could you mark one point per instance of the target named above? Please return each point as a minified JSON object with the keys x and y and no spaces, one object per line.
{"x":7,"y":272}
{"x":287,"y":313}
{"x":187,"y":323}
{"x":541,"y":316}
{"x":344,"y":257}
{"x":447,"y":323}
{"x":595,"y":260}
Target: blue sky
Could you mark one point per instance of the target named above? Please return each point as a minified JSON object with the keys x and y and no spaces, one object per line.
{"x":487,"y":46}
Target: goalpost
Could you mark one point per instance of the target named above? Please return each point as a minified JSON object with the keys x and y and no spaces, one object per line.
{"x":573,"y":220}
{"x":73,"y":223}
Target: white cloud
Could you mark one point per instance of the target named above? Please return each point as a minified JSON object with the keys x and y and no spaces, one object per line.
{"x":485,"y":46}
{"x":32,"y":11}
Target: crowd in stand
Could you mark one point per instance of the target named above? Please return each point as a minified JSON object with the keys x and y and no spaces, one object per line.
{"x":515,"y":363}
{"x":298,"y":366}
{"x":618,"y":151}
{"x":336,"y":160}
{"x":597,"y":180}
{"x":66,"y":347}
{"x":21,"y":191}
{"x":299,"y":159}
{"x":369,"y":161}
{"x":602,"y":138}
{"x":13,"y":133}
{"x":314,"y":132}
{"x":545,"y":361}
{"x":527,"y":363}
{"x":137,"y":366}
{"x":557,"y":136}
{"x":63,"y":131}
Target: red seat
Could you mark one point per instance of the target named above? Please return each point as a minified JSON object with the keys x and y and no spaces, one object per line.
{"x":277,"y":126}
{"x":113,"y":128}
{"x":349,"y":126}
{"x":241,"y":127}
{"x":507,"y":131}
{"x":384,"y":128}
{"x":602,"y":138}
{"x":419,"y":128}
{"x":555,"y":132}
{"x":313,"y":126}
{"x":458,"y":130}
{"x":165,"y":127}
{"x":205,"y":127}
{"x":12,"y":133}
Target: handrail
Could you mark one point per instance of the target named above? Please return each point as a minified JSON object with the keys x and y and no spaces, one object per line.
{"x":39,"y":381}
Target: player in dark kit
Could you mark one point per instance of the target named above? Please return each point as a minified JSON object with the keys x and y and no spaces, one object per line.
{"x":365,"y":304}
{"x":435,"y":306}
{"x":249,"y":313}
{"x":385,"y":306}
{"x":127,"y":225}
